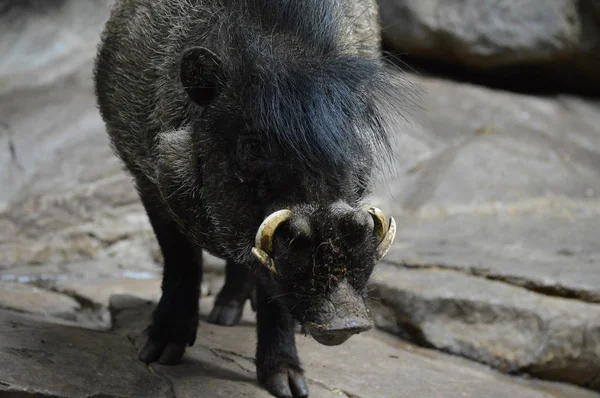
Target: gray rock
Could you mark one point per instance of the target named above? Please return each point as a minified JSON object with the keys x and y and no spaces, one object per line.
{"x":368,"y":365}
{"x":48,"y":360}
{"x":25,"y":298}
{"x":56,"y":210}
{"x":587,"y":62}
{"x":70,"y":362}
{"x":52,"y":207}
{"x":559,"y":39}
{"x":500,"y":184}
{"x":539,"y":251}
{"x":43,"y":41}
{"x":483,"y":32}
{"x":98,"y":291}
{"x":492,"y":322}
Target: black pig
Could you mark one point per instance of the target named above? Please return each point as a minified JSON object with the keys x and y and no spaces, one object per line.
{"x":252,"y":129}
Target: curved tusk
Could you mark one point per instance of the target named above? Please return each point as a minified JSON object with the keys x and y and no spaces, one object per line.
{"x":380,"y":223}
{"x":386,"y":242}
{"x":266,"y":231}
{"x":264,"y":237}
{"x":265,"y":259}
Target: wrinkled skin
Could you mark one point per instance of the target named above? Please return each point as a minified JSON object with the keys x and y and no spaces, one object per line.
{"x":222,"y":121}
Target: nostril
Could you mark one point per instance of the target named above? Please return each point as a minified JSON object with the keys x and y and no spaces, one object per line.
{"x":296,"y":231}
{"x":363,"y":218}
{"x":300,"y":226}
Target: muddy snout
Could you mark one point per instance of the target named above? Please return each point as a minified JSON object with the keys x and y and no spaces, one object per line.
{"x":339,"y":317}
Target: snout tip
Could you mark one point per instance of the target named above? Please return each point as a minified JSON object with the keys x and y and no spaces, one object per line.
{"x":332,"y":335}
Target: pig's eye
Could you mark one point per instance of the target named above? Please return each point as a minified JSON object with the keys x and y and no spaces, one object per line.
{"x":250,"y":158}
{"x":253,"y":147}
{"x":250,"y":148}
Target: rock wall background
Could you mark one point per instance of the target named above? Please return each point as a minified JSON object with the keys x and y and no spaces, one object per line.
{"x":496,"y":267}
{"x":552,"y":45}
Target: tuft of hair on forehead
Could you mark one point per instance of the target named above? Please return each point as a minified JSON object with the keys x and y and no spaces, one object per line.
{"x":299,"y":86}
{"x":318,"y":22}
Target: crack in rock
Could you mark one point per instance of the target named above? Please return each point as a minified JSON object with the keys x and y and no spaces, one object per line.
{"x":513,"y":330}
{"x":171,"y":392}
{"x":335,"y":390}
{"x":552,"y":291}
{"x":223,"y":354}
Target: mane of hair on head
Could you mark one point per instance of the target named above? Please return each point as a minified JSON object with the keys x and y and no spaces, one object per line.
{"x":326,"y":107}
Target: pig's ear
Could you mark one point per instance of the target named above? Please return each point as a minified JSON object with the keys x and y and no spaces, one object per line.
{"x":199,"y":74}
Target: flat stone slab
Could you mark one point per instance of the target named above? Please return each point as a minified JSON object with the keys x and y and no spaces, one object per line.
{"x":26,"y":298}
{"x":512,"y":329}
{"x":546,"y":246}
{"x":44,"y":359}
{"x":79,"y":293}
{"x":500,"y":186}
{"x":40,"y":359}
{"x":552,"y":43}
{"x":369,"y":365}
{"x":43,"y":41}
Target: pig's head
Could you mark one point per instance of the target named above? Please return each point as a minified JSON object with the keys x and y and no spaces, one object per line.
{"x":287,"y":137}
{"x":321,"y":259}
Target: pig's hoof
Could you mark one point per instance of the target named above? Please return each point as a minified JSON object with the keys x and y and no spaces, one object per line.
{"x":228,"y":314}
{"x":168,"y":349}
{"x":166,"y":353}
{"x":287,"y":383}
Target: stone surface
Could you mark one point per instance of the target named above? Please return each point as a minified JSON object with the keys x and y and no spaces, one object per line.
{"x":484,"y":32}
{"x":79,"y":293}
{"x":43,"y":41}
{"x":557,"y":38}
{"x":500,"y":184}
{"x":492,"y":322}
{"x":63,"y":185}
{"x":25,"y":298}
{"x":504,"y":187}
{"x":47,"y":360}
{"x":531,"y":248}
{"x":70,"y":362}
{"x":368,"y":365}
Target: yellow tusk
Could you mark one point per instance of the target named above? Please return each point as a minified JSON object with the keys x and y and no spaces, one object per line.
{"x":380,"y":223}
{"x":265,"y":259}
{"x":264,"y":237}
{"x":386,"y":242}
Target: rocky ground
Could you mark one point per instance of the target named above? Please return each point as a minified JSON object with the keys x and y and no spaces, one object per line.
{"x":493,"y":284}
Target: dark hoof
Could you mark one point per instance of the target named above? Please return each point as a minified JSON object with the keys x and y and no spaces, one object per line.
{"x":166,"y":353}
{"x":228,"y":310}
{"x":287,"y":383}
{"x":168,"y":348}
{"x":226,"y":315}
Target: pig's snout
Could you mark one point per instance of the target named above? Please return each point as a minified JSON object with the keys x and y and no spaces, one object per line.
{"x":335,"y":335}
{"x":339,"y":317}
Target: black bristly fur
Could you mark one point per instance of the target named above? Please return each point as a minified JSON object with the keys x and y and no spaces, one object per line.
{"x":227,"y":110}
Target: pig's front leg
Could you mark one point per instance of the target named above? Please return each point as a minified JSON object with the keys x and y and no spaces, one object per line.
{"x":175,"y":319}
{"x":238,"y":287}
{"x":277,"y":364}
